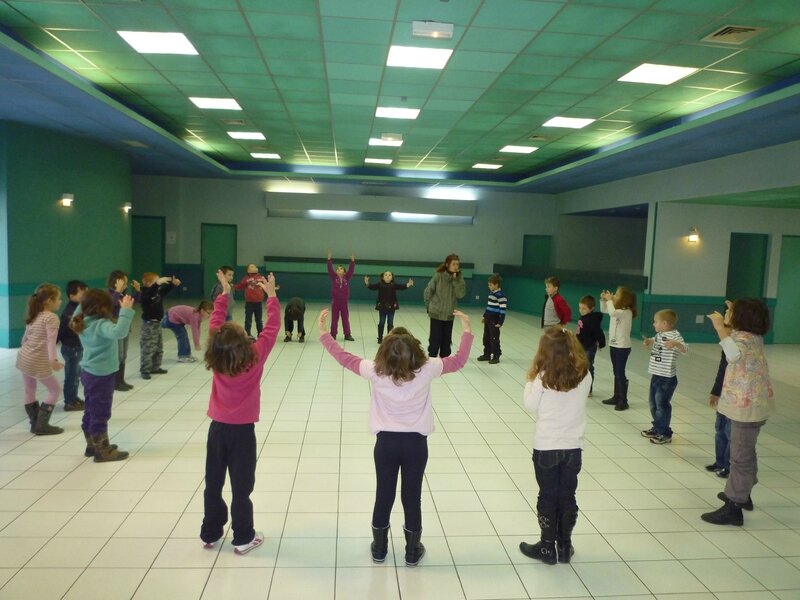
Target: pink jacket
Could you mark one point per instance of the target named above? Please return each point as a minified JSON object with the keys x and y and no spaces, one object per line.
{"x":407,"y":406}
{"x":186,"y":315}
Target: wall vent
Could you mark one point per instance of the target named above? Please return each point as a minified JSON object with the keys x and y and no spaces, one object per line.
{"x":733,"y":34}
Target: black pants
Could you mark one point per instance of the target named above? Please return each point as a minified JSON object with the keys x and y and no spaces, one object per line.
{"x":288,"y":325}
{"x":557,"y":476}
{"x":440,"y":341}
{"x":406,"y":452}
{"x":619,"y":359}
{"x":230,"y":448}
{"x":491,"y":336}
{"x":253,"y":309}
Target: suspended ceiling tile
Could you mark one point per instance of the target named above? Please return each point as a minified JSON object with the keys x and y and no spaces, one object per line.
{"x":364,"y":31}
{"x":120,"y":60}
{"x":594,"y":20}
{"x":346,"y":86}
{"x":76,"y":16}
{"x":466,"y":78}
{"x":247,"y":80}
{"x":784,"y":41}
{"x":139,"y":76}
{"x":713,"y":79}
{"x":520,"y":82}
{"x":694,"y":55}
{"x":402,"y":89}
{"x":781,"y":11}
{"x":205,"y":22}
{"x":624,"y":49}
{"x":237,"y":64}
{"x":174,"y":62}
{"x":494,"y":62}
{"x":361,"y":54}
{"x":516,"y":14}
{"x":666,"y":26}
{"x":593,"y":68}
{"x":563,"y":44}
{"x":353,"y":99}
{"x":298,"y":70}
{"x":291,"y":50}
{"x":352,"y":72}
{"x":299,"y":7}
{"x":225,"y":46}
{"x":706,"y":7}
{"x":72,"y":60}
{"x":92,"y":41}
{"x":755,"y":62}
{"x":495,"y":40}
{"x":300,"y":84}
{"x":577,"y":85}
{"x":541,"y":65}
{"x":453,"y":93}
{"x":206,"y":4}
{"x":291,"y":27}
{"x":358,"y":9}
{"x":134,"y":17}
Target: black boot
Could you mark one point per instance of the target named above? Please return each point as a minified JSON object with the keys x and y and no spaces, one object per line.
{"x":564,"y":527}
{"x":615,"y":397}
{"x":746,"y":505}
{"x":622,"y":402}
{"x":414,"y":548}
{"x":545,"y":549}
{"x":120,"y":385}
{"x":89,"y":452}
{"x":380,"y":543}
{"x":33,"y":411}
{"x":42,"y":425}
{"x":729,"y":513}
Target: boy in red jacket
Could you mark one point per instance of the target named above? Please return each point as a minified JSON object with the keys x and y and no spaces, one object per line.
{"x":253,"y":298}
{"x":555,"y":311}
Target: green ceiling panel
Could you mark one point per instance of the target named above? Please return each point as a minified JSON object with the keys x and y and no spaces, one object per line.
{"x":175,"y":62}
{"x":252,"y":65}
{"x":447,"y":93}
{"x":76,"y":16}
{"x":120,"y":60}
{"x":374,"y":9}
{"x":212,"y":4}
{"x":72,"y":60}
{"x":400,"y":89}
{"x":603,"y":104}
{"x":516,"y":14}
{"x":563,"y":44}
{"x":560,"y":101}
{"x":353,"y":99}
{"x":359,"y":54}
{"x":494,"y":62}
{"x":755,"y":62}
{"x":247,"y":80}
{"x":495,"y":40}
{"x":456,"y":77}
{"x":781,"y":11}
{"x":138,"y":76}
{"x":301,"y":84}
{"x":346,"y":86}
{"x":225,"y":45}
{"x":427,"y":77}
{"x":399,"y":102}
{"x":678,"y":94}
{"x":443,"y":113}
{"x":541,"y":65}
{"x":668,"y":27}
{"x":291,"y":50}
{"x":625,"y":49}
{"x":355,"y":30}
{"x":577,"y":85}
{"x":192,"y":78}
{"x":702,"y":7}
{"x":217,"y":22}
{"x":788,"y":70}
{"x":597,"y":20}
{"x":134,"y":17}
{"x":354,"y":72}
{"x":592,"y":68}
{"x":525,"y":82}
{"x":94,"y":41}
{"x":713,"y":79}
{"x":39,"y":38}
{"x":12,"y":18}
{"x":785,"y":41}
{"x":693,"y":55}
{"x":298,"y":69}
{"x":291,"y":27}
{"x":494,"y":107}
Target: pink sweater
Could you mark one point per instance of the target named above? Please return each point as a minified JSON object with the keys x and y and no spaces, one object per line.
{"x":186,"y":315}
{"x":407,"y":406}
{"x":237,"y":400}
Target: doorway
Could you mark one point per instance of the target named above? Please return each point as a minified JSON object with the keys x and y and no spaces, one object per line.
{"x":148,"y":253}
{"x":747,"y":265}
{"x":218,"y":247}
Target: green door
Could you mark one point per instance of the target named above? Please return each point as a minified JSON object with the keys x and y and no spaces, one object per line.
{"x":147,"y":234}
{"x":218,"y":247}
{"x":786,"y":326}
{"x":747,"y":265}
{"x":536,"y":250}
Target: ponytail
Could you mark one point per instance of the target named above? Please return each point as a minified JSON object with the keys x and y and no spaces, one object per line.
{"x":95,"y":303}
{"x":46,"y":291}
{"x":77,"y":324}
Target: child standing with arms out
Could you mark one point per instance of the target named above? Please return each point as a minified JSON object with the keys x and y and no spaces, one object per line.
{"x":177,"y":318}
{"x":441,"y":297}
{"x":340,"y":295}
{"x":556,"y":391}
{"x":590,"y":333}
{"x":217,"y":290}
{"x":746,"y":400}
{"x":71,"y":349}
{"x":237,"y":365}
{"x":555,"y":311}
{"x":621,"y":307}
{"x":100,"y":334}
{"x":401,"y":416}
{"x":722,"y":425}
{"x":295,"y":311}
{"x":253,"y":298}
{"x":118,"y":287}
{"x":493,"y":318}
{"x":37,"y":357}
{"x":386,"y":304}
{"x":664,"y":346}
{"x":151,"y":344}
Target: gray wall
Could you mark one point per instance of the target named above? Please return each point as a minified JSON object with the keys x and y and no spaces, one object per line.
{"x":608,"y":244}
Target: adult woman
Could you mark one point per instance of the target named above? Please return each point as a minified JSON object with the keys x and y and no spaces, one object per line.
{"x":441,"y":299}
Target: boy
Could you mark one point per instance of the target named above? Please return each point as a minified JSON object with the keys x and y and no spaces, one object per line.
{"x":295,"y":311}
{"x":555,"y":311}
{"x":71,"y":349}
{"x":664,"y":349}
{"x":253,"y":298}
{"x":493,"y":318}
{"x":217,"y":290}
{"x":151,"y":344}
{"x":590,"y":333}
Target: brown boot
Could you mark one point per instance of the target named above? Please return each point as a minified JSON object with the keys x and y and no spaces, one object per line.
{"x":89,"y":452}
{"x":103,"y":452}
{"x":42,"y":425}
{"x":33,"y":411}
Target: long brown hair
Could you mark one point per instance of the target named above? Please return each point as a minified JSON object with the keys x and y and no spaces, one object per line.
{"x":627,"y":299}
{"x":446,"y":264}
{"x":43,"y":293}
{"x":399,"y":356}
{"x":229,"y":351}
{"x":95,"y":303}
{"x":560,"y":360}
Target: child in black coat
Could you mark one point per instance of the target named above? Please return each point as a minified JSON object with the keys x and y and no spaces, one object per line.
{"x":590,"y":332}
{"x":387,"y":299}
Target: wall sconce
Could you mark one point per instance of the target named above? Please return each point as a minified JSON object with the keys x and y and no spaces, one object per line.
{"x":694,"y":236}
{"x":67,"y":199}
{"x":126,"y":208}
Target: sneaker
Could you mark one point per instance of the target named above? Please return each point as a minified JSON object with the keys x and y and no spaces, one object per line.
{"x":747,"y":505}
{"x":661,"y":439}
{"x":145,"y":375}
{"x":254,"y":543}
{"x":649,"y":433}
{"x":494,"y":361}
{"x":159,"y":371}
{"x":723,"y":473}
{"x":713,"y":467}
{"x":187,"y":359}
{"x":349,"y":338}
{"x":484,"y":357}
{"x":77,"y":404}
{"x":210,"y":545}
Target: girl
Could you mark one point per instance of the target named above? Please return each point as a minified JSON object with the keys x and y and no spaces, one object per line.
{"x":340,"y":294}
{"x":387,"y":299}
{"x":746,"y":400}
{"x":37,"y":357}
{"x":441,"y":299}
{"x":557,"y":388}
{"x":401,"y":415}
{"x":178,"y":317}
{"x":621,"y":307}
{"x":100,"y":334}
{"x":237,"y":365}
{"x":117,"y":287}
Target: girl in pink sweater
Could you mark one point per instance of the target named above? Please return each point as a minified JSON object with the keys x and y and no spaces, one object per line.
{"x":401,"y":415}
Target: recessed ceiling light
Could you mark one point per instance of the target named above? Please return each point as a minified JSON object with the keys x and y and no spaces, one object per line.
{"x":157,"y":42}
{"x":388,"y":112}
{"x":378,"y":161}
{"x":216,"y":103}
{"x":382,"y":142}
{"x":485,"y":166}
{"x":519,"y":149}
{"x":246,"y":135}
{"x":265,"y":155}
{"x":418,"y":58}
{"x":658,"y":74}
{"x":569,"y":122}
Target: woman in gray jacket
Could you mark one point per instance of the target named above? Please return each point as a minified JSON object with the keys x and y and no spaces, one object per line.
{"x":441,"y":299}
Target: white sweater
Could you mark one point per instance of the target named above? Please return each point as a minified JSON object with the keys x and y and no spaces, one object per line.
{"x":560,"y":416}
{"x":619,"y":330}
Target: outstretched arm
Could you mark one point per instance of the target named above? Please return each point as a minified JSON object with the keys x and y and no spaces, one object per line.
{"x":456,"y":362}
{"x":351,"y":362}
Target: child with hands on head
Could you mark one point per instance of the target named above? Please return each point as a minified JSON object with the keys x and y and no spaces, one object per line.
{"x":340,"y":295}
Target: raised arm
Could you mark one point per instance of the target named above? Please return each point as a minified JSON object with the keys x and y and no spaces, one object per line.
{"x":452,"y":364}
{"x":349,"y":361}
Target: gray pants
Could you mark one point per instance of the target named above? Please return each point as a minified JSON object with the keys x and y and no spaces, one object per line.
{"x":151,"y":345}
{"x":744,"y":462}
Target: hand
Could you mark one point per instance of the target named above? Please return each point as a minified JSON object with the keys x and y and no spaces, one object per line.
{"x":717,"y":320}
{"x":456,"y":274}
{"x":498,"y":326}
{"x":223,"y":281}
{"x":126,"y":301}
{"x":330,"y":255}
{"x":268,"y":285}
{"x":55,"y":365}
{"x":410,"y":283}
{"x":136,"y":285}
{"x":175,"y":280}
{"x":465,"y":324}
{"x":352,"y":258}
{"x":713,"y":400}
{"x":321,"y":324}
{"x":366,"y":279}
{"x":163,"y":280}
{"x":672,"y":344}
{"x":647,"y":342}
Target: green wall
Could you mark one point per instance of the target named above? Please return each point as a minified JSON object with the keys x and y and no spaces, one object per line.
{"x":45,"y":241}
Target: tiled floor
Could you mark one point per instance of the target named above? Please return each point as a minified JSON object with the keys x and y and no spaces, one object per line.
{"x":70,"y":528}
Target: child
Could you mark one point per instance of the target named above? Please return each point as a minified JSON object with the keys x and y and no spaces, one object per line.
{"x":493,"y":318}
{"x":664,"y":346}
{"x":621,"y":307}
{"x":746,"y":400}
{"x":722,"y":426}
{"x":151,"y":344}
{"x":295,"y":311}
{"x":217,"y":290}
{"x":401,"y":415}
{"x":386,"y":305}
{"x":340,"y":294}
{"x":555,"y":310}
{"x":441,"y":297}
{"x":237,"y":365}
{"x":117,"y":287}
{"x":71,"y":349}
{"x":177,"y":318}
{"x":100,"y":334}
{"x":253,"y":298}
{"x":590,"y":333}
{"x":37,"y":357}
{"x":557,"y":388}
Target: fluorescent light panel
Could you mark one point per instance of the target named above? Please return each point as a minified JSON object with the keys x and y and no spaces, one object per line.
{"x":156,"y":42}
{"x":413,"y":217}
{"x":271,"y":155}
{"x":389,"y":112}
{"x":486,"y":166}
{"x":216,"y":103}
{"x":378,"y":161}
{"x":519,"y":149}
{"x":568,"y":122}
{"x":432,"y":29}
{"x":418,"y":58}
{"x":657,"y":74}
{"x":246,"y":135}
{"x":439,"y":192}
{"x":381,"y":142}
{"x":339,"y":215}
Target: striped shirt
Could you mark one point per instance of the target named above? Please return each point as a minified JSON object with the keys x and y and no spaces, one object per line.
{"x":663,"y":361}
{"x":496,"y":306}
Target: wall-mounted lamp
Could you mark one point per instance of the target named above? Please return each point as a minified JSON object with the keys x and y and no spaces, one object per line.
{"x":126,"y":208}
{"x":67,"y":199}
{"x":694,"y":236}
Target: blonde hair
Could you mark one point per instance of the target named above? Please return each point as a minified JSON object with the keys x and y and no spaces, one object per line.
{"x":149,"y":278}
{"x":668,"y":316}
{"x":560,"y":361}
{"x":43,"y":293}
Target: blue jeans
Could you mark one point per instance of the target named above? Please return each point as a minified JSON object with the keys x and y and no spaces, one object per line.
{"x":661,"y":390}
{"x":72,"y":371}
{"x":557,"y":476}
{"x":385,"y":317}
{"x":722,"y":441}
{"x":179,"y":329}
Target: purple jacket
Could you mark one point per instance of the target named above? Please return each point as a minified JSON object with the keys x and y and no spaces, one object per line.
{"x":340,"y":286}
